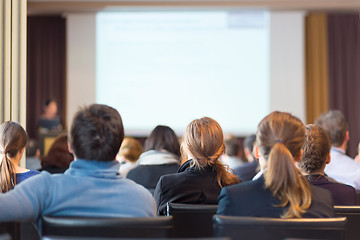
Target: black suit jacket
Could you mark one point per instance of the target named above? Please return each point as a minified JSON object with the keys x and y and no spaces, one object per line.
{"x":188,"y":185}
{"x":252,"y":199}
{"x":247,"y":171}
{"x":149,"y":175}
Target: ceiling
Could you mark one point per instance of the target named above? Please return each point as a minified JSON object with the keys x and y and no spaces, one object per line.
{"x":47,"y":7}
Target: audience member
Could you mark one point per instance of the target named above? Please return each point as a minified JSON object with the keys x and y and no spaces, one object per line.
{"x":13,"y":140}
{"x":161,"y":156}
{"x":231,"y":158}
{"x":247,"y":171}
{"x":58,"y":158}
{"x":316,"y":154}
{"x":341,"y":168}
{"x":129,"y":153}
{"x":49,"y":120}
{"x":200,"y":179}
{"x":32,"y":155}
{"x":282,"y":191}
{"x":92,"y":186}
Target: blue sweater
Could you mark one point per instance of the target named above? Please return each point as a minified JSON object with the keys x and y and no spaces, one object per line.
{"x":25,"y":175}
{"x":87,"y":188}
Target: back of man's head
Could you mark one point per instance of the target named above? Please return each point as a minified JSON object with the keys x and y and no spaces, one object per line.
{"x":335,"y":125}
{"x":232,"y":146}
{"x":249,"y":146}
{"x":96,"y":133}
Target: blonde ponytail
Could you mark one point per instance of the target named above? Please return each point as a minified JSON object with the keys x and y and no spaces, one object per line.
{"x":205,"y":141}
{"x":285,"y":181}
{"x":280,"y":137}
{"x":7,"y":174}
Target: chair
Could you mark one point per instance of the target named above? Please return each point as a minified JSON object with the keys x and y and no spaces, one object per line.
{"x":276,"y":228}
{"x":95,"y":238}
{"x":352,"y":213}
{"x":29,"y":231}
{"x":11,"y":229}
{"x":357,"y":197}
{"x":191,"y":220}
{"x":126,"y":227}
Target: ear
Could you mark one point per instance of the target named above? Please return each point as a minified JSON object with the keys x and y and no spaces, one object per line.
{"x":256,"y":152}
{"x":69,"y":148}
{"x":347,"y":136}
{"x":22,"y":151}
{"x":298,"y":157}
{"x":328,"y":159}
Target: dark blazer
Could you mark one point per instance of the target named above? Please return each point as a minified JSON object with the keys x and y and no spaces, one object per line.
{"x":252,"y":199}
{"x":188,"y":185}
{"x":342,"y":194}
{"x":247,"y":171}
{"x":149,"y":175}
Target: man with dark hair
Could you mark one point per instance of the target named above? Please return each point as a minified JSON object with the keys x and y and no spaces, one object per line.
{"x":341,"y":168}
{"x":92,"y":186}
{"x":247,"y":171}
{"x":232,"y":148}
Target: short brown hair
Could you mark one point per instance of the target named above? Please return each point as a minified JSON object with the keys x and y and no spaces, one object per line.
{"x":96,"y":133}
{"x":335,"y":125}
{"x":130,"y":149}
{"x":232,"y":146}
{"x":315,"y":150}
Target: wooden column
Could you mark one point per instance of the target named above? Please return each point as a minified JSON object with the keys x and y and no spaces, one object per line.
{"x":13,"y":61}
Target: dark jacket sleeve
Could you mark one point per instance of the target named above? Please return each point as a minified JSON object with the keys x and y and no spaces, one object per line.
{"x":225,"y":206}
{"x":161,"y":205}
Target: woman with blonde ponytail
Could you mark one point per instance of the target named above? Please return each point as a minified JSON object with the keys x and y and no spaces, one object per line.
{"x":200,"y":179}
{"x":13,"y":140}
{"x":281,"y":191}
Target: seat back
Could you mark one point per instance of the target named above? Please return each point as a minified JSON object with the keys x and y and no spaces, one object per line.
{"x":277,"y":229}
{"x":357,"y":197}
{"x":352,"y":213}
{"x":191,"y":220}
{"x":11,"y":229}
{"x":127,"y":227}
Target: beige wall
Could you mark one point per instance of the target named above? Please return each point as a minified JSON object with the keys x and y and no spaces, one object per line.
{"x":287,"y":63}
{"x":81,"y":74}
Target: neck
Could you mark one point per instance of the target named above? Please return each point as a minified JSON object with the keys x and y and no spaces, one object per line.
{"x":343,"y":145}
{"x":317,"y":173}
{"x":16,"y":161}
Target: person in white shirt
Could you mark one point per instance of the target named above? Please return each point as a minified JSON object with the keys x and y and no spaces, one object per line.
{"x":342,"y":168}
{"x":230,"y":157}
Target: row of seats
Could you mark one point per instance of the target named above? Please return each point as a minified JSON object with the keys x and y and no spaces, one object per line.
{"x":200,"y":221}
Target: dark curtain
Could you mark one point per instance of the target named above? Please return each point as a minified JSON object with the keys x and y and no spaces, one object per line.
{"x":344,"y":71}
{"x":46,"y":53}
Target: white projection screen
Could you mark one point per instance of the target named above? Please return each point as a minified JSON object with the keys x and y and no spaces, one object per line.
{"x":170,"y":67}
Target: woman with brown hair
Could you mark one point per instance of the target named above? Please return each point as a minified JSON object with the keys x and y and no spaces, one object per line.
{"x":316,"y":155}
{"x":129,"y":153}
{"x":200,"y":179}
{"x":161,"y":156}
{"x":58,"y":159}
{"x":281,"y":191}
{"x":13,"y":140}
